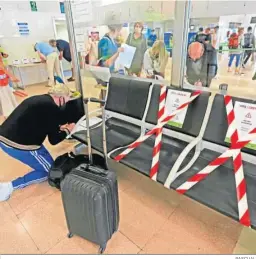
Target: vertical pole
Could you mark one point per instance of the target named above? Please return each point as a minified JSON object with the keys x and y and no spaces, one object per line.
{"x":55,"y":37}
{"x":73,"y":47}
{"x":180,"y":36}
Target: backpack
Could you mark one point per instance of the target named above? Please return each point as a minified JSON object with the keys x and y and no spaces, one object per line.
{"x":233,"y":41}
{"x":248,"y":40}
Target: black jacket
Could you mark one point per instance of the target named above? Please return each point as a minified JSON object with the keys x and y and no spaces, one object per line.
{"x":32,"y":121}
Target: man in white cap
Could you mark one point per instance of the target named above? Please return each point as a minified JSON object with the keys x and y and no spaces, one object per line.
{"x":23,"y":133}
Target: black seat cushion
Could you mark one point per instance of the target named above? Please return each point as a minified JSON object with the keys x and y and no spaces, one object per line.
{"x":140,"y":158}
{"x":218,"y":190}
{"x":127,"y":96}
{"x":118,"y":133}
{"x":217,"y":126}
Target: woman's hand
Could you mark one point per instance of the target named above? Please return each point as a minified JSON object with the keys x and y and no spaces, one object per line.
{"x":14,"y":79}
{"x":68,"y":127}
{"x":120,"y":50}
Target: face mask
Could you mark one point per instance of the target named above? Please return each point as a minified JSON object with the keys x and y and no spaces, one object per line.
{"x":137,"y":29}
{"x":62,"y":103}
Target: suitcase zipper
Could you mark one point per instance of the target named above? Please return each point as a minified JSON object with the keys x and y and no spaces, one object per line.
{"x":101,"y":185}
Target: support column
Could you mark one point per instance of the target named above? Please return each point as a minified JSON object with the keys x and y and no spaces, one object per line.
{"x":180,"y":39}
{"x":73,"y":48}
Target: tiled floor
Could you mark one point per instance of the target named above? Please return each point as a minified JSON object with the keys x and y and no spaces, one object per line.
{"x":152,"y":219}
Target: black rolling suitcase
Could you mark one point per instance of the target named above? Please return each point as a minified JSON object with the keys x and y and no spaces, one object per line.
{"x":90,"y":196}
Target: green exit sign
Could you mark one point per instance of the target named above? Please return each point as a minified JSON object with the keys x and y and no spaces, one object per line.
{"x":33,"y":6}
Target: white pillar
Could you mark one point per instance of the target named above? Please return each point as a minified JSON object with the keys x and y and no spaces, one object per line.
{"x":73,"y":47}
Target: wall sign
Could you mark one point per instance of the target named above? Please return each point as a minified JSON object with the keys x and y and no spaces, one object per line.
{"x":23,"y":28}
{"x":174,"y":100}
{"x":62,"y":7}
{"x":245,"y":114}
{"x":33,"y":6}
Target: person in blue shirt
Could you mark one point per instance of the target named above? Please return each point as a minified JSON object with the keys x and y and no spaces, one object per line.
{"x":47,"y":54}
{"x":108,"y":49}
{"x":64,"y":52}
{"x":152,"y":38}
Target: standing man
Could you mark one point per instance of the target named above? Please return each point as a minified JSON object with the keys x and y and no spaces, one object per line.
{"x":249,"y":43}
{"x":47,"y":54}
{"x":64,"y":49}
{"x":216,"y":38}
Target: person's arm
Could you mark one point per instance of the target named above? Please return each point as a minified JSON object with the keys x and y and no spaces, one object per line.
{"x":107,"y":60}
{"x":145,"y":45}
{"x":41,"y":55}
{"x":148,"y":64}
{"x":128,"y":41}
{"x":61,"y":55}
{"x":59,"y":133}
{"x":214,"y":40}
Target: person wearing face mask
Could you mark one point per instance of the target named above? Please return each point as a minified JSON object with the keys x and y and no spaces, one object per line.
{"x":108,"y":50}
{"x":137,"y":40}
{"x":23,"y":133}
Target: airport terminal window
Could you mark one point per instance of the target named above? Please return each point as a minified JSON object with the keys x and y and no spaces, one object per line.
{"x":221,"y":49}
{"x":134,"y":39}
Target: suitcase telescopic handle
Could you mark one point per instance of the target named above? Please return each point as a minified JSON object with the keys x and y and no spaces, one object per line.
{"x":95,"y":100}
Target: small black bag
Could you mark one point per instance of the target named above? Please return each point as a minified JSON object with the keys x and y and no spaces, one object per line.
{"x":68,"y":161}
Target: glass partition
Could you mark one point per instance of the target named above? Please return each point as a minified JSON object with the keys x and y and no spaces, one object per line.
{"x":222,"y":46}
{"x":123,"y":37}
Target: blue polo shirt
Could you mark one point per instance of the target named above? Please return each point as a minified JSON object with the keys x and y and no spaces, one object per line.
{"x":45,"y":48}
{"x":106,"y":49}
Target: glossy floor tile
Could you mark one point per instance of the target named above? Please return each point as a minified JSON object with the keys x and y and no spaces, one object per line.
{"x":138,"y":222}
{"x":45,"y":222}
{"x":184,"y":234}
{"x":14,"y":239}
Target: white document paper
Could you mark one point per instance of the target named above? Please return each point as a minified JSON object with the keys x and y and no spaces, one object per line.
{"x":174,"y":100}
{"x":125,"y":58}
{"x":81,"y":125}
{"x":245,"y":118}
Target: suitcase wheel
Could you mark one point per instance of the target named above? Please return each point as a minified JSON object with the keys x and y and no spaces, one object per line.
{"x":102,"y":249}
{"x":70,"y":235}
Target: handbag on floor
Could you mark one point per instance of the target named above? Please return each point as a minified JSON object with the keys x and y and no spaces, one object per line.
{"x":90,"y":195}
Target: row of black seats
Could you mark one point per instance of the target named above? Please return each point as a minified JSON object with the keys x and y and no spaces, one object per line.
{"x":128,"y":104}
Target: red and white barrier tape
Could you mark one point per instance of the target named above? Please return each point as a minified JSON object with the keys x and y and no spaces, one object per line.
{"x":233,"y":152}
{"x":159,"y":133}
{"x":164,"y":121}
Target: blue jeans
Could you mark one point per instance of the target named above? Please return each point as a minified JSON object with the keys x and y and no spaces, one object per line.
{"x":39,"y":160}
{"x":231,"y":59}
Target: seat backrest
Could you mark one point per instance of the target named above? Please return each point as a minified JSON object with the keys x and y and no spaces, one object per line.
{"x":195,"y":112}
{"x":127,"y":96}
{"x":217,"y":126}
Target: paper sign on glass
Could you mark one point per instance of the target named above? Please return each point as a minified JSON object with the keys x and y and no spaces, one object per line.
{"x":174,"y":100}
{"x":245,"y":115}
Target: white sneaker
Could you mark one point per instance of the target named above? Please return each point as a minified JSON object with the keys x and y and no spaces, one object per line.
{"x":6,"y":190}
